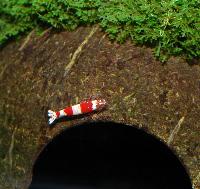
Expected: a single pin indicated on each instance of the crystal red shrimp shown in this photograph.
(82, 108)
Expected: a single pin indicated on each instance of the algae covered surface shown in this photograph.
(161, 99)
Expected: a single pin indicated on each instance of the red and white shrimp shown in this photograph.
(82, 108)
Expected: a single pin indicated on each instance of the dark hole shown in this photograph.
(108, 155)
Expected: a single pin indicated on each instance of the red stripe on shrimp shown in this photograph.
(57, 114)
(86, 106)
(68, 111)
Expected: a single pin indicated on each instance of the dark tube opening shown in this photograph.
(107, 155)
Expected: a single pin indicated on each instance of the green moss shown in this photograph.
(171, 27)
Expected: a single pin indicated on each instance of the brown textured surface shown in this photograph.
(139, 90)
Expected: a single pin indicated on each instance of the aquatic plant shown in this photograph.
(171, 27)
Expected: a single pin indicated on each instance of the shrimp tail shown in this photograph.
(52, 116)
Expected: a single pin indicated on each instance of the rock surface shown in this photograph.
(161, 99)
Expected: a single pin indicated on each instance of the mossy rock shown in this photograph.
(161, 99)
